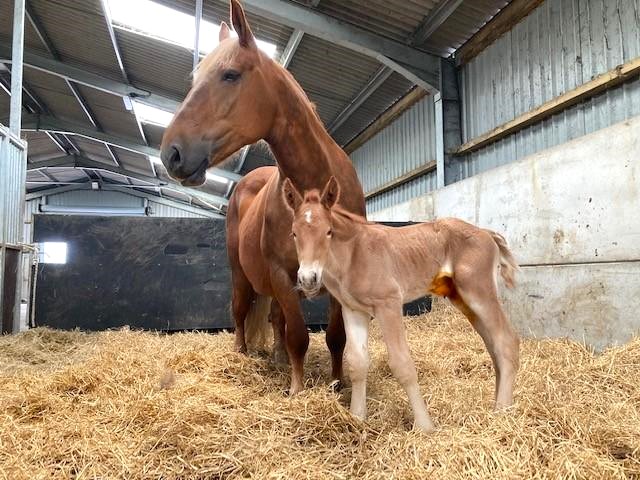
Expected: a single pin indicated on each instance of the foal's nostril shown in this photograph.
(314, 277)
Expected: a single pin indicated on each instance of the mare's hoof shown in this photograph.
(280, 357)
(335, 386)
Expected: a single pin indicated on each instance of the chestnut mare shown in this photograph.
(239, 96)
(373, 269)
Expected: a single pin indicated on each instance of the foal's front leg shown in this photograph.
(401, 363)
(356, 326)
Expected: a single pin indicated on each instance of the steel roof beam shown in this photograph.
(428, 26)
(433, 21)
(93, 80)
(51, 124)
(48, 44)
(77, 161)
(420, 67)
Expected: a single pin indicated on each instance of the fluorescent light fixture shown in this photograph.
(152, 19)
(152, 115)
(217, 178)
(210, 176)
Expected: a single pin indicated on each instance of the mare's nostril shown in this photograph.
(174, 157)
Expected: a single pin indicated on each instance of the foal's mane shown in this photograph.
(346, 215)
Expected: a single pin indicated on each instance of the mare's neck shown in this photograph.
(348, 234)
(305, 152)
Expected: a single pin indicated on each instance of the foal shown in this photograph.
(373, 269)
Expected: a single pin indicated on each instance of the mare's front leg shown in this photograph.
(277, 323)
(400, 361)
(356, 325)
(296, 335)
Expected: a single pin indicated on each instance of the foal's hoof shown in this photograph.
(425, 427)
(241, 349)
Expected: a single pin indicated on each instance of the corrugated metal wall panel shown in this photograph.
(13, 162)
(103, 198)
(92, 198)
(406, 144)
(162, 210)
(561, 45)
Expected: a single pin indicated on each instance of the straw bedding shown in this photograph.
(124, 404)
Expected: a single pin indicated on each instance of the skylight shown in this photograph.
(152, 115)
(149, 18)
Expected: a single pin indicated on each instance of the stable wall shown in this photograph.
(571, 216)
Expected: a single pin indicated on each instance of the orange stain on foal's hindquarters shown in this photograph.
(442, 285)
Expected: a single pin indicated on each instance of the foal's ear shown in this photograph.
(224, 32)
(331, 193)
(291, 195)
(241, 26)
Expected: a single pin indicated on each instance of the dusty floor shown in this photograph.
(133, 405)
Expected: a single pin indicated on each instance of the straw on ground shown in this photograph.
(134, 405)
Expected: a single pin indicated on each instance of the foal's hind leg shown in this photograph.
(478, 300)
(401, 363)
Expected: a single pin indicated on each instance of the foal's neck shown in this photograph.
(305, 152)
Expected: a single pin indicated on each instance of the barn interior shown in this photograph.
(522, 116)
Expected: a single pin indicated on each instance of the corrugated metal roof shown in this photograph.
(331, 75)
(396, 19)
(156, 65)
(386, 95)
(465, 21)
(79, 33)
(111, 114)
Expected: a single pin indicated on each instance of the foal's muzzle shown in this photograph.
(309, 281)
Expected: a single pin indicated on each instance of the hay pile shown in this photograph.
(134, 405)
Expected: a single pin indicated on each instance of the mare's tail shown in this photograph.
(257, 330)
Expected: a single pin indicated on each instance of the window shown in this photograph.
(52, 252)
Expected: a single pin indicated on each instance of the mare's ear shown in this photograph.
(292, 197)
(241, 26)
(224, 32)
(331, 193)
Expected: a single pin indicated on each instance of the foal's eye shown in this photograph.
(230, 76)
(293, 235)
(329, 233)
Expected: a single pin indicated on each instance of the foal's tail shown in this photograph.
(508, 264)
(256, 324)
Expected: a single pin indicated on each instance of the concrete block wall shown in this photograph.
(571, 215)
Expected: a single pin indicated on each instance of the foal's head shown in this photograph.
(311, 230)
(231, 104)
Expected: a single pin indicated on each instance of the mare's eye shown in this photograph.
(329, 233)
(230, 76)
(293, 234)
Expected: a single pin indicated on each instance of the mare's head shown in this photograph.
(231, 104)
(311, 230)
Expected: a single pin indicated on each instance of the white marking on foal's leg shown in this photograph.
(356, 326)
(307, 216)
(402, 366)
